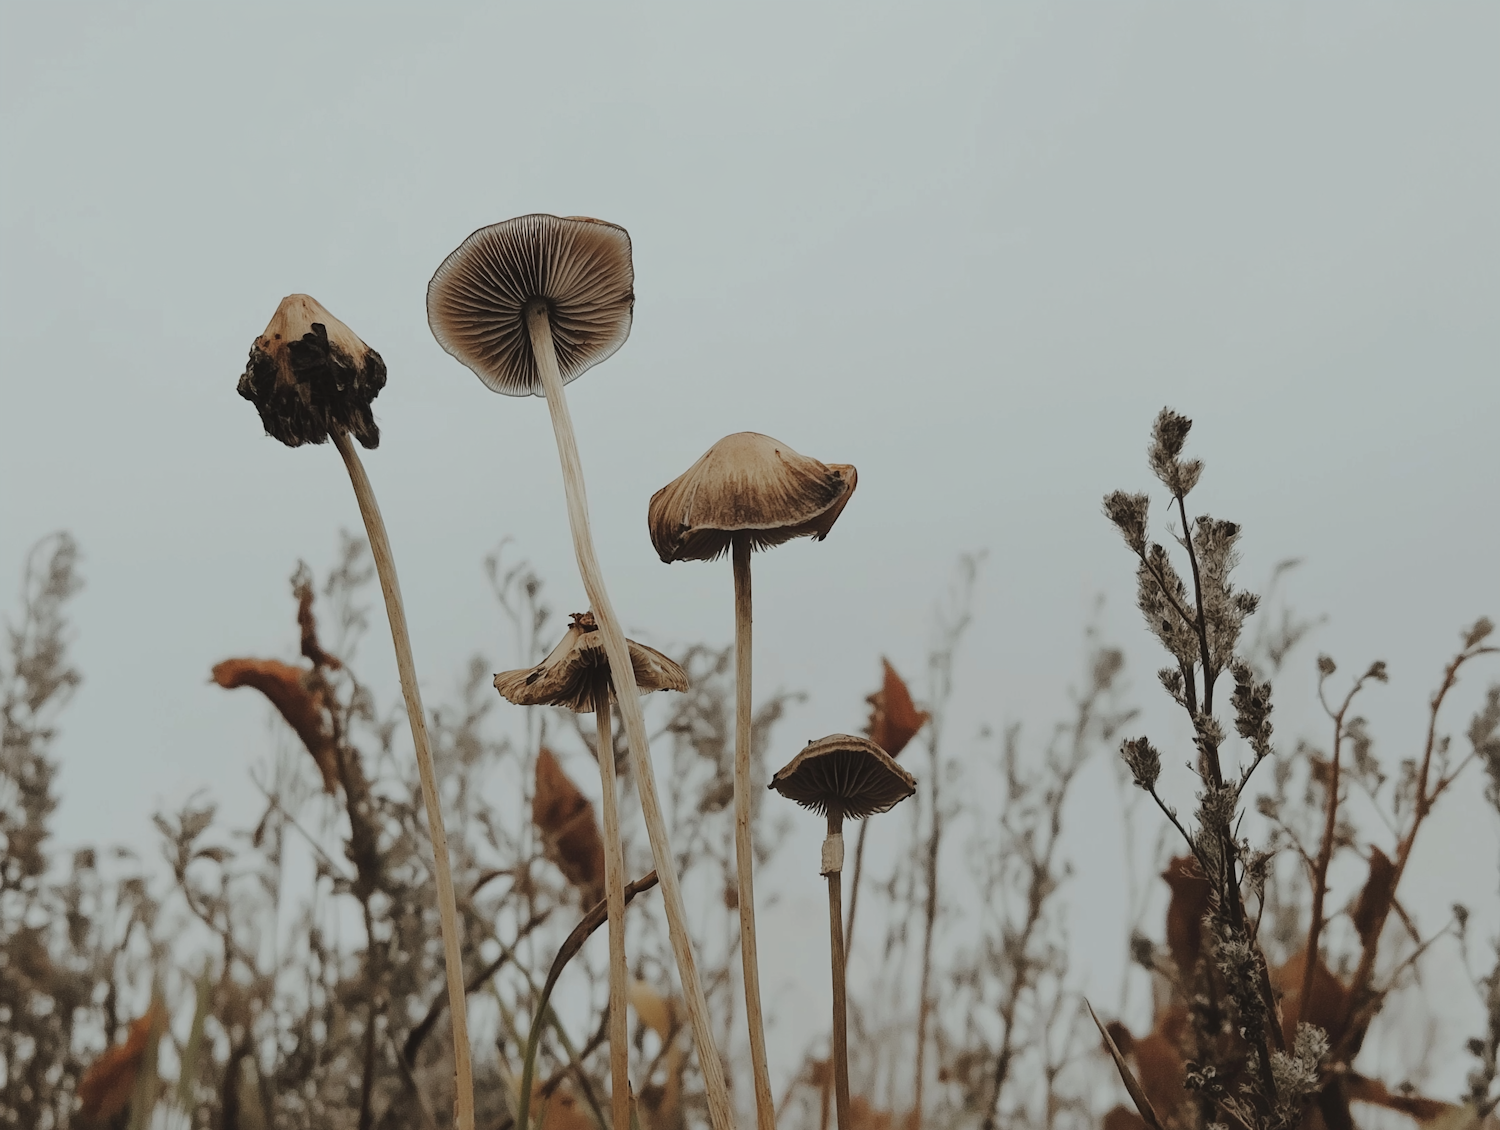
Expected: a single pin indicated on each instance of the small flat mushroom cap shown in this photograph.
(567, 676)
(749, 483)
(476, 301)
(309, 374)
(846, 772)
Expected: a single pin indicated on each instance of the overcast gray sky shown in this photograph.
(969, 248)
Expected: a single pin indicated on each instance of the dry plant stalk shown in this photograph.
(385, 565)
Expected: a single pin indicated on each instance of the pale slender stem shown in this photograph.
(720, 1112)
(385, 566)
(744, 850)
(614, 894)
(840, 1006)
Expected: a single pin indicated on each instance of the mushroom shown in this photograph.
(312, 379)
(748, 491)
(528, 304)
(842, 776)
(575, 676)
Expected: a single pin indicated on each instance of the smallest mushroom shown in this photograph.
(571, 675)
(842, 776)
(310, 375)
(576, 676)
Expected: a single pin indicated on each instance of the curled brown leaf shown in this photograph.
(106, 1087)
(299, 696)
(894, 718)
(570, 834)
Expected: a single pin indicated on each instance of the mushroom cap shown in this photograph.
(568, 675)
(747, 483)
(309, 374)
(581, 268)
(847, 773)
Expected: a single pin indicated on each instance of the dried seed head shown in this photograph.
(309, 374)
(1128, 512)
(1143, 761)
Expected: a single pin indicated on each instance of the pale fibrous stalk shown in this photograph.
(744, 851)
(614, 893)
(833, 864)
(385, 567)
(539, 328)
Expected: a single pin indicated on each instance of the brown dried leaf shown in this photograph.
(1375, 899)
(106, 1087)
(570, 835)
(894, 718)
(1328, 1004)
(1190, 895)
(864, 1116)
(298, 695)
(1119, 1118)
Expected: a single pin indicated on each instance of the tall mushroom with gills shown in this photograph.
(576, 676)
(747, 492)
(842, 776)
(528, 304)
(311, 379)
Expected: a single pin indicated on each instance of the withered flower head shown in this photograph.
(748, 483)
(579, 269)
(847, 774)
(310, 374)
(569, 675)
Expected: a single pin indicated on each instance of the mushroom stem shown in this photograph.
(539, 327)
(614, 894)
(385, 566)
(744, 851)
(833, 863)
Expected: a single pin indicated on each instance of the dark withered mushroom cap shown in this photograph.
(747, 483)
(567, 677)
(309, 374)
(581, 269)
(850, 774)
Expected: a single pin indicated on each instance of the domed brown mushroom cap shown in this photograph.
(581, 269)
(850, 774)
(749, 483)
(309, 373)
(567, 677)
